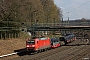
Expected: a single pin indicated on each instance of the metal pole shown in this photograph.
(68, 18)
(62, 21)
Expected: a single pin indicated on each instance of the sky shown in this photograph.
(74, 9)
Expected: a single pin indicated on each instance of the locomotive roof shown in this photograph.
(42, 38)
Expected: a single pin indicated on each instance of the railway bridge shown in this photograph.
(55, 27)
(61, 28)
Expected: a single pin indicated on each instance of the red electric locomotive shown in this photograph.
(38, 44)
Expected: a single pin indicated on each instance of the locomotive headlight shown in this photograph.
(33, 45)
(27, 45)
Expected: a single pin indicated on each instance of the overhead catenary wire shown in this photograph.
(77, 7)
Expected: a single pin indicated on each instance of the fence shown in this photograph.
(9, 34)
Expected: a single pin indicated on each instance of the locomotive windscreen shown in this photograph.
(31, 42)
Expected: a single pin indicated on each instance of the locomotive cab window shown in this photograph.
(31, 42)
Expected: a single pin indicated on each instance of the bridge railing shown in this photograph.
(54, 24)
(50, 24)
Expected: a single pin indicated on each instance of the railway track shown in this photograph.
(71, 51)
(75, 54)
